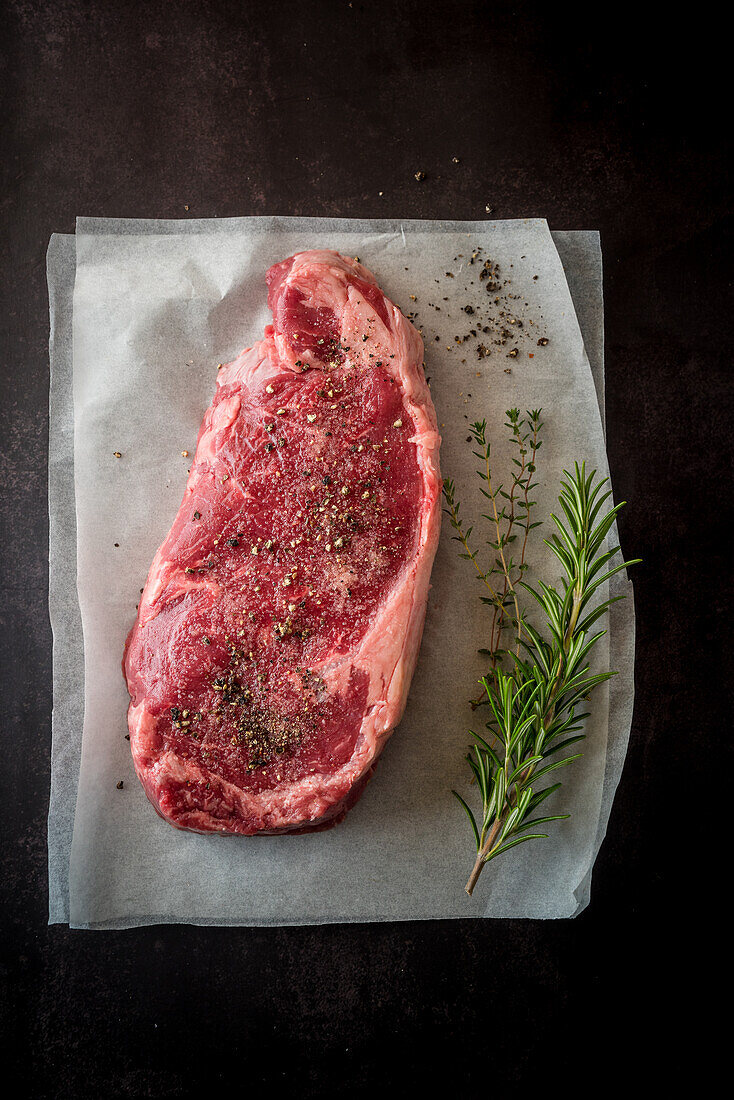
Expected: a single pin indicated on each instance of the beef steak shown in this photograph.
(280, 622)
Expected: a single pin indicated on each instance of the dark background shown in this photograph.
(610, 119)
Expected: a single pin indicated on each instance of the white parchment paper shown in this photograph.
(156, 305)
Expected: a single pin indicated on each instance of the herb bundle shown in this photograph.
(538, 683)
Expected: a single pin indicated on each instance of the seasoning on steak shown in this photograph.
(280, 623)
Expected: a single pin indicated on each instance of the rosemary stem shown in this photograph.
(474, 876)
(573, 617)
(482, 857)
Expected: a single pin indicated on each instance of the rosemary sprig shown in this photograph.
(536, 703)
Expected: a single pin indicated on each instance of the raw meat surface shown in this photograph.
(280, 623)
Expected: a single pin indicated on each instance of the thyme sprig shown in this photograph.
(537, 700)
(510, 520)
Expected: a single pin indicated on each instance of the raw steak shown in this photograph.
(280, 623)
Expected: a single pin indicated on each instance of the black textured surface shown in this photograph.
(230, 108)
